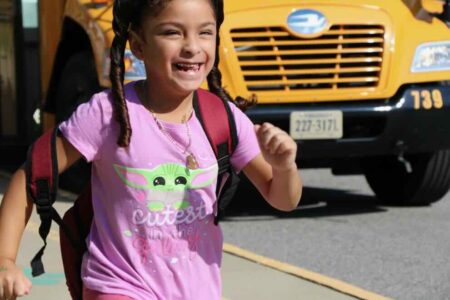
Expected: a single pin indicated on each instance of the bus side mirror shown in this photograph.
(438, 8)
(446, 13)
(434, 7)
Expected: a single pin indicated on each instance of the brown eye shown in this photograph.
(171, 32)
(180, 180)
(159, 181)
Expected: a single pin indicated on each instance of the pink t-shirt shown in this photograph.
(153, 235)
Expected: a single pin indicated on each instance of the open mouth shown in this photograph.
(184, 67)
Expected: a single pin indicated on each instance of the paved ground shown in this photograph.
(342, 231)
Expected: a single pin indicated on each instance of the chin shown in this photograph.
(189, 87)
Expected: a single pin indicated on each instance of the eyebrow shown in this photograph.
(181, 25)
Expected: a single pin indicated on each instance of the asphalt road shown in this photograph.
(341, 231)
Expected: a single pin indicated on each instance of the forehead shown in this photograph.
(184, 12)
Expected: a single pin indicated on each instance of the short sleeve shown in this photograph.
(87, 128)
(248, 147)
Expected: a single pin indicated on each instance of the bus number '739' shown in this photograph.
(425, 99)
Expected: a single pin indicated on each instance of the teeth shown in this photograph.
(188, 67)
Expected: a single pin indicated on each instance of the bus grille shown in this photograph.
(344, 57)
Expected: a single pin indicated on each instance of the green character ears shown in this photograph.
(167, 177)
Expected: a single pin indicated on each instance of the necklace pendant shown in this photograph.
(192, 163)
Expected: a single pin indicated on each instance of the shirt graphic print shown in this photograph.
(165, 200)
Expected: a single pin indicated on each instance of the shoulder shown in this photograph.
(236, 111)
(103, 101)
(100, 103)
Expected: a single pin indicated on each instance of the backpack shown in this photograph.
(42, 181)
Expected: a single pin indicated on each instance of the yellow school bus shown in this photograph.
(363, 86)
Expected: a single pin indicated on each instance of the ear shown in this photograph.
(201, 178)
(136, 44)
(135, 178)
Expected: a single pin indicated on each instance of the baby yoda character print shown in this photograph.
(167, 184)
(167, 202)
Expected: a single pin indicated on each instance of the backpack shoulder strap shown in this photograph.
(217, 120)
(42, 170)
(42, 185)
(219, 124)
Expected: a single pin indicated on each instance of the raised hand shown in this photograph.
(277, 147)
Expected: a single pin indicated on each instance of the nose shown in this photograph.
(191, 46)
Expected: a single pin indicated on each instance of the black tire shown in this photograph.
(428, 182)
(78, 83)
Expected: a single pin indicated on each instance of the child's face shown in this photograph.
(178, 45)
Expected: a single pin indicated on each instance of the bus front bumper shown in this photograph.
(415, 120)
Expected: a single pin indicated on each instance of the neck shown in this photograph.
(168, 106)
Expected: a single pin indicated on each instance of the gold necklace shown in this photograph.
(191, 161)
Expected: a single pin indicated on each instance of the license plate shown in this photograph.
(316, 125)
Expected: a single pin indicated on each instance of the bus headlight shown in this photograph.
(134, 68)
(432, 57)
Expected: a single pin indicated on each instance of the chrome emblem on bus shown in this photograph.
(307, 21)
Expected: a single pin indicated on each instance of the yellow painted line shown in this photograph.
(314, 277)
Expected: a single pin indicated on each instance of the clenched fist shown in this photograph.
(13, 283)
(277, 147)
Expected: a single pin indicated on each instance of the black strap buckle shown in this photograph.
(43, 199)
(224, 164)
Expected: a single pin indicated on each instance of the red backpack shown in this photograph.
(42, 181)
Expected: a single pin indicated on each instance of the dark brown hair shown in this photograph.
(129, 14)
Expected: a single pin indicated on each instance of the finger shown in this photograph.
(265, 138)
(275, 142)
(266, 126)
(20, 288)
(286, 147)
(262, 129)
(28, 285)
(8, 288)
(257, 128)
(282, 148)
(266, 135)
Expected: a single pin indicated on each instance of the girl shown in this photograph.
(153, 235)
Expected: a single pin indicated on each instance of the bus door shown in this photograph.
(19, 79)
(8, 75)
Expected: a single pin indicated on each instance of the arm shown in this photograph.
(274, 172)
(16, 209)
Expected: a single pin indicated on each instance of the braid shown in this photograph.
(120, 107)
(120, 24)
(215, 76)
(215, 86)
(126, 14)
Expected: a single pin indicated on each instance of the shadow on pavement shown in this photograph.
(315, 202)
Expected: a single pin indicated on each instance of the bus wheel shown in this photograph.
(77, 84)
(428, 181)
